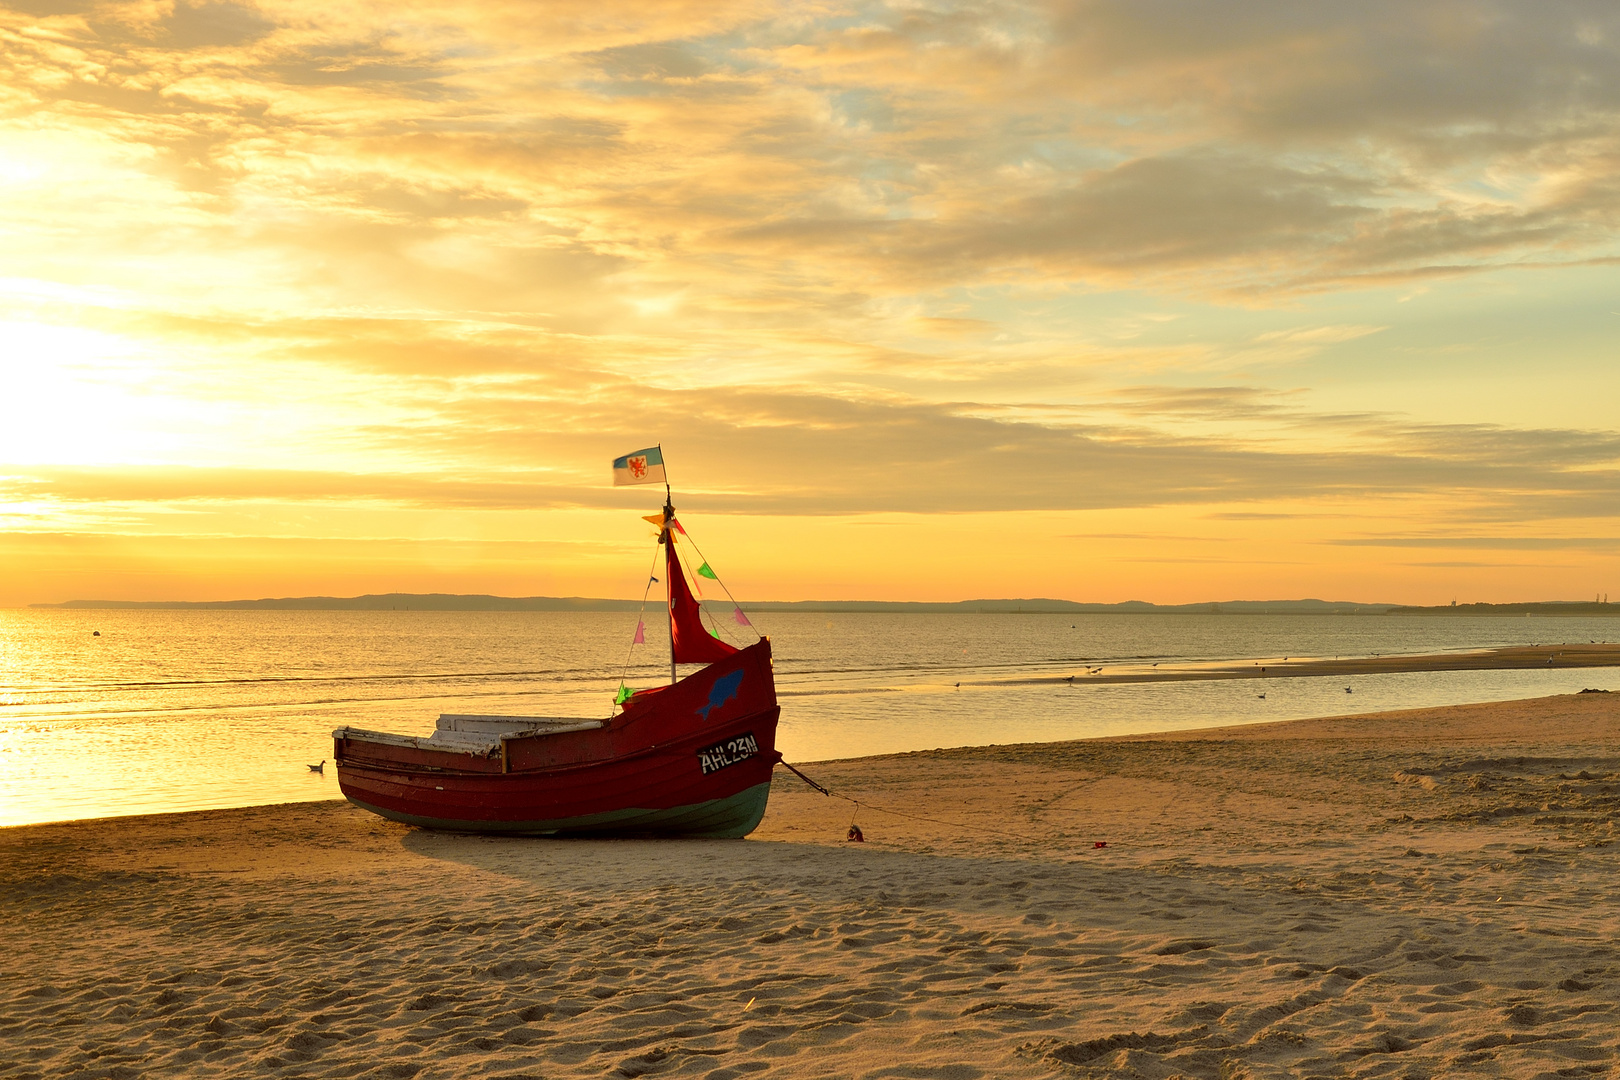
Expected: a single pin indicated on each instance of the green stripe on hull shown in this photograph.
(734, 816)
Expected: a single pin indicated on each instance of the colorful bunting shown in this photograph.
(704, 571)
(623, 695)
(742, 620)
(641, 633)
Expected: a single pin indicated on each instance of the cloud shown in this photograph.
(212, 25)
(761, 150)
(1005, 257)
(799, 453)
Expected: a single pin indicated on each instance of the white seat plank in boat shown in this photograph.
(477, 735)
(508, 725)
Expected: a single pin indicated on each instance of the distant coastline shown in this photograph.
(1585, 608)
(1035, 606)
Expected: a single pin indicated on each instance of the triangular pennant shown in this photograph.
(623, 695)
(704, 571)
(742, 620)
(641, 633)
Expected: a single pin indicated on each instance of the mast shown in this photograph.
(669, 584)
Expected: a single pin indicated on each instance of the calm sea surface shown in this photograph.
(181, 710)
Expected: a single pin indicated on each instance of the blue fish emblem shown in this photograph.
(724, 689)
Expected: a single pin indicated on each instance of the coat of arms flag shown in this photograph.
(642, 467)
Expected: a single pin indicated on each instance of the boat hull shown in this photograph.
(732, 817)
(693, 759)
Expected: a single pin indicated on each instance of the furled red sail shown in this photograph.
(693, 644)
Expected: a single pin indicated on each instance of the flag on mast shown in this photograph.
(641, 467)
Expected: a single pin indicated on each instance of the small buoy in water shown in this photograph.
(321, 768)
(1100, 843)
(855, 835)
(95, 633)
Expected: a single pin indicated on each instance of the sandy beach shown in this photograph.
(1428, 893)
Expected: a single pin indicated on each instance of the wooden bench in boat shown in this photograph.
(479, 736)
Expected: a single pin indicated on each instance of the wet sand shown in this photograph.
(1513, 657)
(1429, 893)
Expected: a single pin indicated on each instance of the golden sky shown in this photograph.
(1170, 300)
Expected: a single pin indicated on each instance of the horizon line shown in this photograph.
(488, 601)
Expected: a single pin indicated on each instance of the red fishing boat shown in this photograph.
(693, 758)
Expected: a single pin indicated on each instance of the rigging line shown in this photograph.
(703, 561)
(697, 584)
(641, 620)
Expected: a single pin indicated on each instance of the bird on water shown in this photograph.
(321, 768)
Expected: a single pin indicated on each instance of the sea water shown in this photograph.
(105, 713)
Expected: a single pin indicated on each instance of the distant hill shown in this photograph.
(1073, 607)
(464, 602)
(1033, 606)
(1563, 608)
(372, 602)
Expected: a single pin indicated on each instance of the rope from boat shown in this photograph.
(805, 778)
(900, 813)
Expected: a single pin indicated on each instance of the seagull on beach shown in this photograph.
(321, 768)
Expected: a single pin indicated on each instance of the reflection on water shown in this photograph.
(174, 710)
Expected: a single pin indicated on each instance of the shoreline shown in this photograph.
(1502, 659)
(1425, 892)
(1508, 658)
